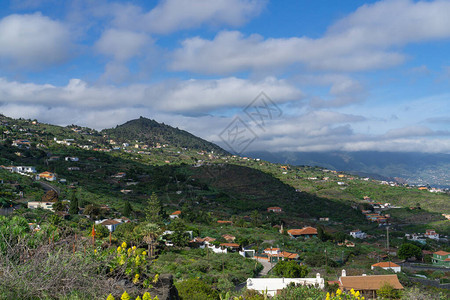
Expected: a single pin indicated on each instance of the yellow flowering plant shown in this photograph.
(340, 295)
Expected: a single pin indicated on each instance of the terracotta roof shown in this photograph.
(274, 207)
(110, 222)
(229, 237)
(271, 249)
(289, 255)
(373, 282)
(443, 253)
(201, 240)
(386, 264)
(231, 245)
(303, 231)
(447, 259)
(176, 213)
(46, 173)
(224, 222)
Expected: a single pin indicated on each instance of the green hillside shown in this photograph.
(153, 133)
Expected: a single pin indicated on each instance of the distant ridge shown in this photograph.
(152, 132)
(415, 167)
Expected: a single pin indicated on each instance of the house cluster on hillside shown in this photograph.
(376, 217)
(23, 170)
(422, 237)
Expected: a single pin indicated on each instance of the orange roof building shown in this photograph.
(175, 214)
(229, 237)
(368, 285)
(48, 176)
(224, 222)
(230, 245)
(387, 265)
(305, 232)
(274, 209)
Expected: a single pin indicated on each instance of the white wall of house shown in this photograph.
(272, 285)
(395, 269)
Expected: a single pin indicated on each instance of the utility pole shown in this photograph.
(387, 244)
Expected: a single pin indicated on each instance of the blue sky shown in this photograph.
(347, 75)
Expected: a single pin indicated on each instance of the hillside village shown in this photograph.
(186, 211)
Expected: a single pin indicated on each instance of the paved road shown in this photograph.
(267, 266)
(416, 266)
(48, 187)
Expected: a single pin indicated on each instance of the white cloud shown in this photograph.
(190, 96)
(172, 15)
(122, 44)
(33, 41)
(365, 40)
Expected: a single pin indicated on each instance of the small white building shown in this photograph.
(175, 214)
(358, 234)
(71, 158)
(386, 265)
(111, 224)
(23, 169)
(431, 234)
(40, 204)
(272, 251)
(272, 285)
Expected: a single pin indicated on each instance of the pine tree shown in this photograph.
(73, 208)
(154, 211)
(127, 209)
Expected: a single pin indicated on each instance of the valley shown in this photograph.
(184, 209)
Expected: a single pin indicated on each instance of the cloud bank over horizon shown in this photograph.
(359, 76)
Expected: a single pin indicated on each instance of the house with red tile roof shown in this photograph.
(441, 258)
(47, 176)
(306, 232)
(175, 214)
(229, 237)
(366, 285)
(111, 224)
(203, 242)
(274, 209)
(387, 265)
(231, 246)
(431, 234)
(224, 222)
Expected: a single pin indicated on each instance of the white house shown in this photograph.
(175, 214)
(70, 158)
(272, 285)
(431, 234)
(23, 169)
(111, 224)
(387, 265)
(358, 234)
(272, 251)
(40, 204)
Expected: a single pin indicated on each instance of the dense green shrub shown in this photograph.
(195, 289)
(290, 269)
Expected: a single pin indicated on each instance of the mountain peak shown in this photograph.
(152, 132)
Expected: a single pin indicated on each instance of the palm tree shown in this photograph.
(149, 232)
